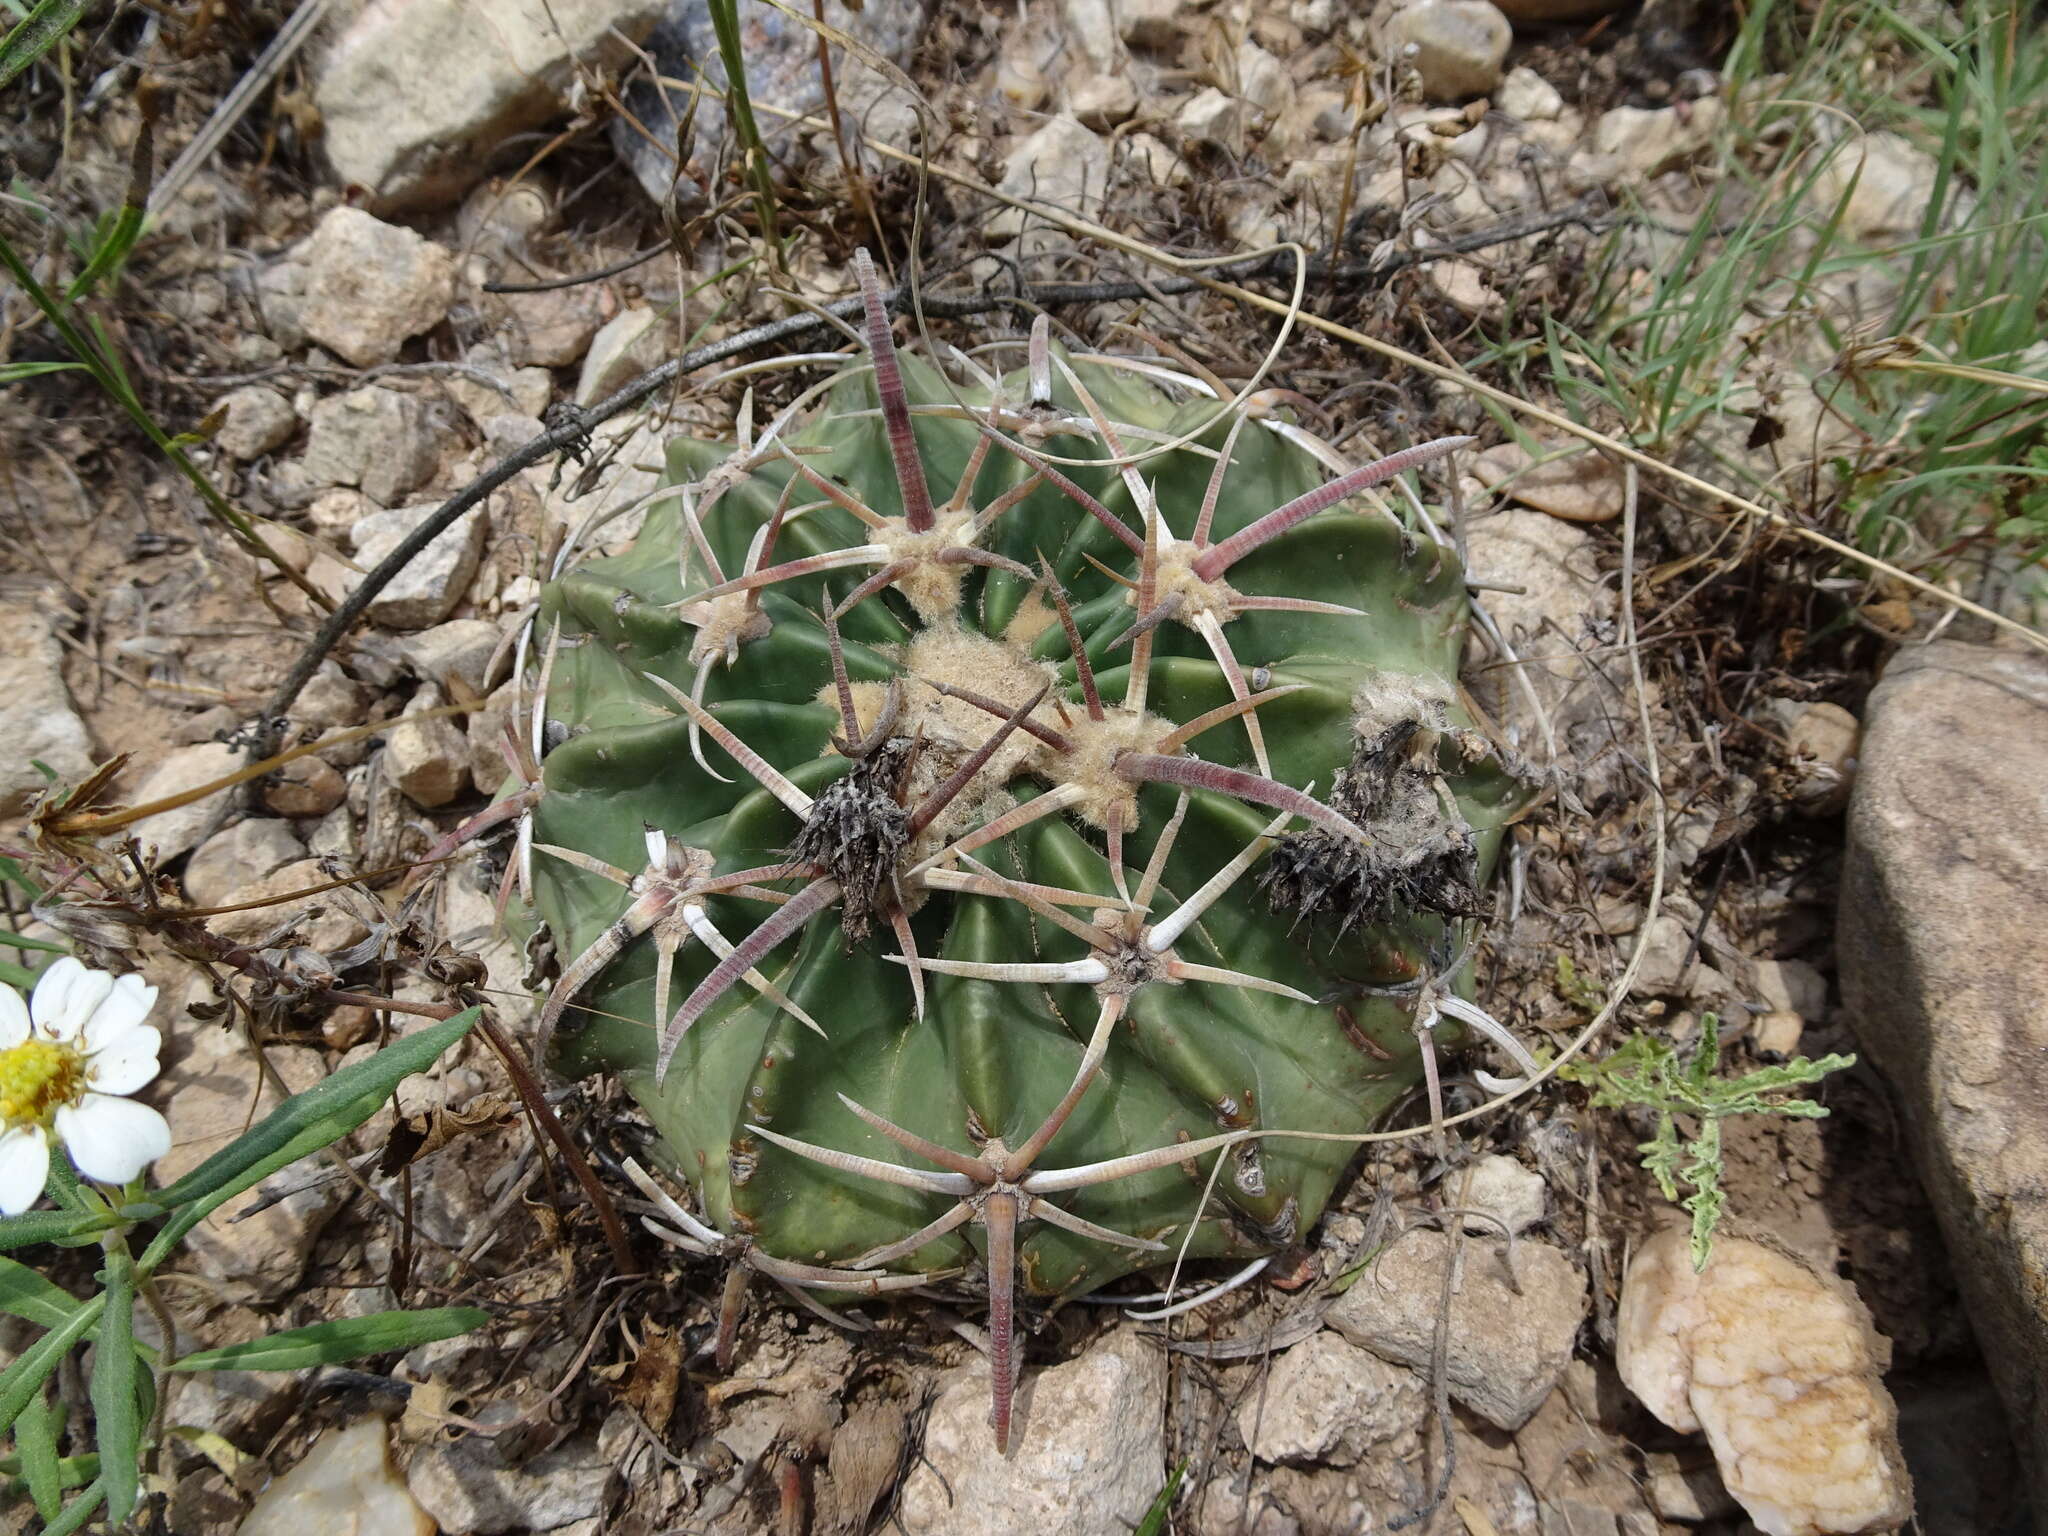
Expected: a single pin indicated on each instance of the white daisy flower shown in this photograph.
(66, 1059)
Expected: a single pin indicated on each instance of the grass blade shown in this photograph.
(42, 30)
(349, 1338)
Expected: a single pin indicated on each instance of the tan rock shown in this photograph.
(1943, 976)
(306, 786)
(1570, 481)
(36, 716)
(427, 757)
(370, 285)
(344, 1483)
(1781, 1368)
(1456, 46)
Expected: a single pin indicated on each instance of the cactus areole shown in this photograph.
(953, 846)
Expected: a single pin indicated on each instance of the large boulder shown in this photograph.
(1944, 899)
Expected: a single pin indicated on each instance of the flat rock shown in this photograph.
(1087, 1453)
(1457, 46)
(177, 831)
(1648, 141)
(1780, 1366)
(1062, 164)
(469, 1487)
(1515, 1198)
(1944, 897)
(230, 859)
(546, 330)
(1155, 24)
(1562, 479)
(210, 1097)
(371, 285)
(344, 1484)
(427, 590)
(458, 650)
(1331, 1402)
(1506, 1349)
(382, 440)
(37, 720)
(630, 343)
(258, 420)
(416, 94)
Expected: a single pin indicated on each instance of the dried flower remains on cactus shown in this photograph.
(934, 846)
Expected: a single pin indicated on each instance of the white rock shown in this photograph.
(631, 471)
(344, 1486)
(1563, 609)
(1893, 184)
(1088, 1448)
(550, 329)
(383, 440)
(630, 343)
(1457, 46)
(177, 831)
(1651, 141)
(1212, 117)
(257, 421)
(1019, 80)
(1791, 986)
(428, 589)
(468, 1487)
(1462, 285)
(36, 718)
(1526, 95)
(1063, 165)
(527, 391)
(1506, 1349)
(1329, 1401)
(1263, 81)
(415, 94)
(459, 649)
(1103, 101)
(210, 1097)
(1157, 161)
(1782, 1369)
(326, 922)
(1514, 1196)
(229, 860)
(1092, 33)
(1777, 1033)
(370, 285)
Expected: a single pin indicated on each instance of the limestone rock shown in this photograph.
(228, 860)
(1329, 1401)
(459, 649)
(1893, 182)
(1088, 1448)
(414, 96)
(1564, 609)
(634, 453)
(1506, 1350)
(1263, 81)
(370, 285)
(428, 759)
(324, 922)
(344, 1483)
(36, 718)
(547, 330)
(1212, 117)
(1154, 24)
(525, 390)
(1063, 165)
(383, 440)
(1943, 976)
(468, 1486)
(1575, 484)
(629, 344)
(428, 589)
(210, 1097)
(1514, 1197)
(1092, 34)
(1457, 46)
(1102, 101)
(1526, 95)
(1543, 12)
(1782, 1369)
(177, 831)
(306, 786)
(1823, 739)
(1648, 141)
(258, 420)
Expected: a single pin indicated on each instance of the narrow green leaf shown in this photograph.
(11, 373)
(39, 1227)
(112, 252)
(347, 1339)
(1162, 1506)
(37, 35)
(79, 1510)
(16, 975)
(27, 1294)
(117, 1423)
(35, 1437)
(301, 1125)
(22, 940)
(32, 1368)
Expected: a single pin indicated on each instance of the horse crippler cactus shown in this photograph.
(953, 881)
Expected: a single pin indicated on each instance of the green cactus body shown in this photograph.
(1197, 1045)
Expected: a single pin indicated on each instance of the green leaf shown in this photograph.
(16, 975)
(11, 373)
(347, 1339)
(32, 1367)
(41, 1227)
(36, 36)
(22, 940)
(117, 1422)
(27, 1294)
(303, 1124)
(79, 1510)
(1160, 1507)
(35, 1436)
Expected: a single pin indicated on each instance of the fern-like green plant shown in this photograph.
(1650, 1072)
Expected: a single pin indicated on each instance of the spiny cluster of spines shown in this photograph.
(857, 848)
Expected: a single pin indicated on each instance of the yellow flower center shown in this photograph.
(37, 1076)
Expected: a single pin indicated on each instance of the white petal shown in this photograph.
(24, 1169)
(120, 1012)
(66, 995)
(128, 1063)
(13, 1018)
(110, 1139)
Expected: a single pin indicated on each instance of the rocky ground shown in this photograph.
(358, 293)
